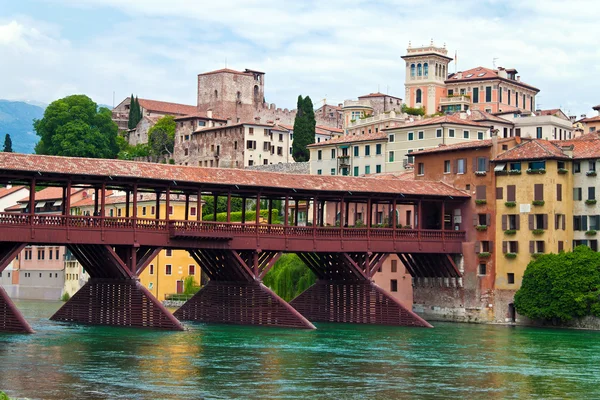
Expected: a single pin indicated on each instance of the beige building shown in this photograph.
(427, 133)
(544, 124)
(376, 123)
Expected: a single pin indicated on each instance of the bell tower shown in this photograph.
(426, 71)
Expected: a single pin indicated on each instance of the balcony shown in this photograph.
(461, 99)
(344, 161)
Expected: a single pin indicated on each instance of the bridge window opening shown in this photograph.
(510, 278)
(168, 269)
(393, 285)
(482, 269)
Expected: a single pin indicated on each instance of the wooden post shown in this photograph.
(314, 216)
(103, 200)
(257, 210)
(229, 207)
(347, 214)
(187, 206)
(243, 210)
(64, 201)
(286, 207)
(96, 195)
(296, 212)
(322, 213)
(67, 203)
(269, 219)
(167, 202)
(127, 201)
(443, 212)
(343, 217)
(157, 205)
(215, 204)
(199, 206)
(135, 200)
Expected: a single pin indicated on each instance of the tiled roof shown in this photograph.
(584, 147)
(591, 119)
(473, 144)
(223, 177)
(505, 109)
(5, 192)
(378, 94)
(330, 129)
(408, 175)
(167, 108)
(444, 119)
(478, 115)
(482, 73)
(198, 115)
(366, 137)
(537, 149)
(50, 193)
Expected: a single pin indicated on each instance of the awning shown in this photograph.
(499, 167)
(58, 202)
(23, 205)
(344, 146)
(40, 204)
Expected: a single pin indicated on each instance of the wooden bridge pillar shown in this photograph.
(235, 293)
(113, 295)
(344, 292)
(11, 319)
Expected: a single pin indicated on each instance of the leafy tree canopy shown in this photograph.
(559, 287)
(304, 129)
(161, 137)
(413, 110)
(289, 277)
(7, 144)
(75, 127)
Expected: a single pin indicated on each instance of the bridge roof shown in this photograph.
(118, 171)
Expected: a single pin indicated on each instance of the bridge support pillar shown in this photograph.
(116, 302)
(344, 292)
(11, 319)
(235, 293)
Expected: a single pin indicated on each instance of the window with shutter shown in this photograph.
(480, 192)
(504, 222)
(558, 192)
(531, 246)
(511, 193)
(504, 247)
(499, 193)
(560, 246)
(545, 221)
(538, 191)
(531, 222)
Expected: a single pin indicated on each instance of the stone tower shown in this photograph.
(232, 94)
(426, 71)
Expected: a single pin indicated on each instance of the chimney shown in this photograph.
(340, 105)
(583, 116)
(459, 74)
(494, 146)
(518, 78)
(463, 115)
(568, 150)
(538, 112)
(228, 121)
(209, 113)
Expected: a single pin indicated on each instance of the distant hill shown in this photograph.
(16, 119)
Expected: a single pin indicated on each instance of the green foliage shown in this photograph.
(510, 255)
(480, 202)
(304, 129)
(563, 171)
(135, 113)
(65, 297)
(510, 232)
(250, 216)
(7, 144)
(481, 228)
(208, 207)
(3, 396)
(537, 231)
(161, 137)
(75, 127)
(538, 202)
(289, 277)
(510, 204)
(189, 286)
(484, 254)
(413, 111)
(560, 287)
(591, 232)
(590, 202)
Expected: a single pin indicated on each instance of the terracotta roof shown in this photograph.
(473, 144)
(482, 73)
(223, 177)
(478, 115)
(591, 119)
(330, 129)
(378, 94)
(408, 175)
(5, 192)
(537, 149)
(50, 193)
(199, 115)
(229, 71)
(167, 108)
(444, 119)
(584, 147)
(367, 137)
(508, 110)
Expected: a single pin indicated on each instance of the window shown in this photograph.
(378, 169)
(592, 165)
(577, 194)
(535, 165)
(481, 164)
(378, 149)
(250, 163)
(480, 135)
(509, 97)
(168, 269)
(251, 131)
(251, 144)
(151, 272)
(355, 171)
(450, 132)
(482, 269)
(393, 285)
(537, 246)
(367, 150)
(191, 269)
(538, 192)
(391, 138)
(512, 222)
(480, 192)
(411, 135)
(466, 134)
(319, 155)
(591, 193)
(558, 192)
(538, 221)
(367, 169)
(488, 94)
(438, 133)
(193, 211)
(394, 265)
(391, 156)
(418, 95)
(421, 135)
(475, 96)
(412, 70)
(318, 172)
(538, 132)
(356, 151)
(511, 193)
(168, 252)
(510, 278)
(332, 154)
(594, 222)
(576, 167)
(446, 166)
(332, 171)
(461, 165)
(410, 158)
(421, 169)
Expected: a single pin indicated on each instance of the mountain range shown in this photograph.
(16, 119)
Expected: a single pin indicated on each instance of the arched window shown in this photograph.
(412, 70)
(419, 70)
(239, 95)
(444, 71)
(437, 70)
(418, 96)
(255, 90)
(216, 94)
(426, 69)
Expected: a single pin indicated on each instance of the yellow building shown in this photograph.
(166, 273)
(534, 213)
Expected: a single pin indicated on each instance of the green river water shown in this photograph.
(336, 361)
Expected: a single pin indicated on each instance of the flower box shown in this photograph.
(481, 228)
(590, 202)
(537, 231)
(480, 202)
(484, 254)
(510, 232)
(563, 171)
(510, 255)
(538, 202)
(514, 172)
(510, 204)
(503, 172)
(590, 173)
(591, 232)
(480, 173)
(536, 171)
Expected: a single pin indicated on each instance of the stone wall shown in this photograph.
(287, 168)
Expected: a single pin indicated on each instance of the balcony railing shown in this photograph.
(455, 99)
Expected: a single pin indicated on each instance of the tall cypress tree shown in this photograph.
(138, 112)
(131, 113)
(7, 144)
(304, 129)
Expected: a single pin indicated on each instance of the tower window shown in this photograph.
(418, 94)
(426, 69)
(412, 70)
(216, 94)
(419, 70)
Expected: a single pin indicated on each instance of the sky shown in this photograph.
(333, 50)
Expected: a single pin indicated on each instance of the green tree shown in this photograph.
(289, 277)
(7, 144)
(3, 396)
(189, 285)
(559, 287)
(161, 137)
(412, 110)
(74, 126)
(304, 129)
(208, 206)
(131, 117)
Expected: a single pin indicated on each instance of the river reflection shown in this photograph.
(63, 361)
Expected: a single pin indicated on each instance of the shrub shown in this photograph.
(481, 228)
(510, 255)
(189, 286)
(537, 231)
(65, 297)
(484, 254)
(514, 172)
(559, 287)
(3, 396)
(563, 171)
(510, 204)
(590, 202)
(510, 232)
(538, 202)
(480, 202)
(289, 277)
(591, 232)
(236, 216)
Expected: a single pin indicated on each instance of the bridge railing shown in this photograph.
(225, 229)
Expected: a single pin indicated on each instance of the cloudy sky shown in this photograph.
(327, 49)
